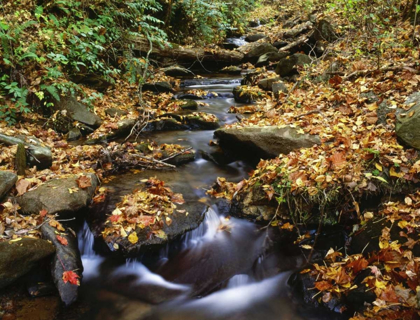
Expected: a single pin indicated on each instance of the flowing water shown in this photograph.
(220, 270)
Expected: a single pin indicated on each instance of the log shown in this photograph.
(180, 54)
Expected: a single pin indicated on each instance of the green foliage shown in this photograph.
(43, 47)
(206, 21)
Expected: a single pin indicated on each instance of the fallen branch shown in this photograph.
(155, 161)
(296, 43)
(176, 154)
(360, 73)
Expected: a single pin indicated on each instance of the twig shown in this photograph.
(156, 161)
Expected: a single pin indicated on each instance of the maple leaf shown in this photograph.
(338, 160)
(43, 212)
(84, 182)
(71, 277)
(62, 240)
(114, 218)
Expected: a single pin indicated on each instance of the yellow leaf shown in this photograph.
(394, 173)
(378, 166)
(123, 233)
(408, 201)
(402, 224)
(133, 237)
(306, 246)
(380, 284)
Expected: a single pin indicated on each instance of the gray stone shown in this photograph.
(267, 83)
(78, 111)
(176, 71)
(74, 134)
(287, 66)
(408, 122)
(255, 37)
(112, 112)
(67, 256)
(256, 50)
(158, 87)
(56, 197)
(383, 110)
(19, 257)
(265, 59)
(254, 143)
(7, 181)
(280, 44)
(324, 31)
(278, 87)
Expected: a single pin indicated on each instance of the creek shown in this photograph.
(227, 268)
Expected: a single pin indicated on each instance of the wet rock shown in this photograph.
(242, 94)
(66, 258)
(74, 134)
(180, 159)
(37, 153)
(255, 37)
(407, 126)
(77, 111)
(287, 66)
(19, 257)
(177, 71)
(218, 157)
(254, 205)
(7, 181)
(189, 96)
(265, 59)
(158, 87)
(324, 31)
(57, 198)
(113, 112)
(262, 142)
(188, 104)
(181, 221)
(231, 70)
(173, 122)
(280, 44)
(256, 50)
(267, 83)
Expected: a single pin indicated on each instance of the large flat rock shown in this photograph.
(255, 143)
(61, 196)
(7, 181)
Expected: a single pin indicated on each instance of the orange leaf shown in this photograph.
(84, 182)
(323, 285)
(43, 212)
(62, 240)
(338, 160)
(72, 277)
(114, 218)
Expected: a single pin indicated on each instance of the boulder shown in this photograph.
(287, 66)
(280, 44)
(66, 258)
(112, 112)
(267, 83)
(254, 143)
(158, 87)
(324, 31)
(38, 155)
(77, 111)
(19, 257)
(408, 122)
(188, 104)
(265, 59)
(256, 50)
(242, 94)
(58, 196)
(174, 122)
(7, 181)
(177, 71)
(278, 87)
(124, 128)
(74, 134)
(255, 37)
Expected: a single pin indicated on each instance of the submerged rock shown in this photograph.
(189, 104)
(19, 257)
(66, 258)
(254, 143)
(7, 181)
(58, 196)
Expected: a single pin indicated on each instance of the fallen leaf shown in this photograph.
(71, 277)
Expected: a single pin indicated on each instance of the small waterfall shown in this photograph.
(85, 241)
(206, 231)
(239, 280)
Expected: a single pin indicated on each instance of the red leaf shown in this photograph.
(72, 277)
(114, 218)
(43, 213)
(62, 240)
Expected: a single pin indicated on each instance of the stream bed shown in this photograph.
(227, 268)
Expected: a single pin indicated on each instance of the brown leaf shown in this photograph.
(84, 182)
(22, 185)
